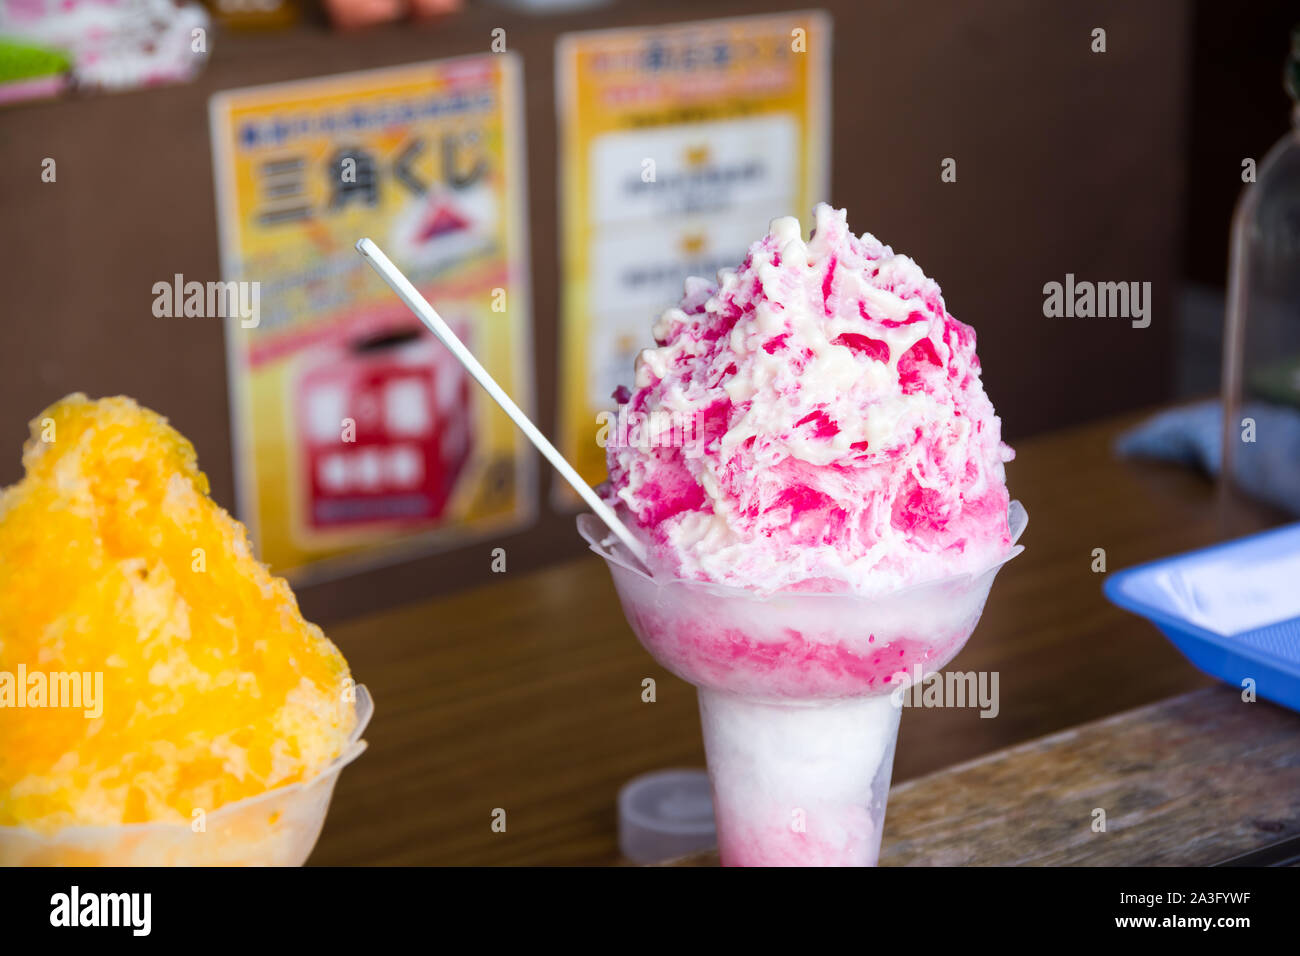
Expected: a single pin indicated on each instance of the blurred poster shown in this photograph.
(358, 437)
(678, 145)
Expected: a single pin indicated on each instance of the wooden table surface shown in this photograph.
(526, 696)
(1193, 780)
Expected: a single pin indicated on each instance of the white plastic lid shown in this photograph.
(665, 815)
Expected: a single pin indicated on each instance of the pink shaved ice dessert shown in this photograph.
(822, 527)
(838, 437)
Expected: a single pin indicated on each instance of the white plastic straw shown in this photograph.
(426, 314)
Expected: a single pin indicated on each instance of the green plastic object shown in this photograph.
(23, 61)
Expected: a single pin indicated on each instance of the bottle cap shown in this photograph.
(665, 815)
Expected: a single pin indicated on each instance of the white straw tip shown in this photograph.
(364, 245)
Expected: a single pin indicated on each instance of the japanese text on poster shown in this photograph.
(679, 144)
(358, 437)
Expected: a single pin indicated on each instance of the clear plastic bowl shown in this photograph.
(276, 828)
(797, 646)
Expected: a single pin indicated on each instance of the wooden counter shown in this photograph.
(1189, 781)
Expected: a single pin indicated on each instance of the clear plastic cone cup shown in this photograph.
(797, 695)
(799, 784)
(276, 828)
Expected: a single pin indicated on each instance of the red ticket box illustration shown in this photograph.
(384, 426)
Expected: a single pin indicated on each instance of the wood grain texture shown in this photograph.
(526, 695)
(1189, 781)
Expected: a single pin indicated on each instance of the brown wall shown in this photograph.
(1068, 161)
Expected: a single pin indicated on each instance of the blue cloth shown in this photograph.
(1267, 468)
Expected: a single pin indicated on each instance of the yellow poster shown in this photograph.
(678, 145)
(358, 438)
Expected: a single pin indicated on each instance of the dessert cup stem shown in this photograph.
(799, 784)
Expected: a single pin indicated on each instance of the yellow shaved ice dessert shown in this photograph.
(114, 561)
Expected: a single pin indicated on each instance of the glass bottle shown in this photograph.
(1261, 360)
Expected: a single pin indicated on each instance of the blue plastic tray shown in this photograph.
(1266, 651)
